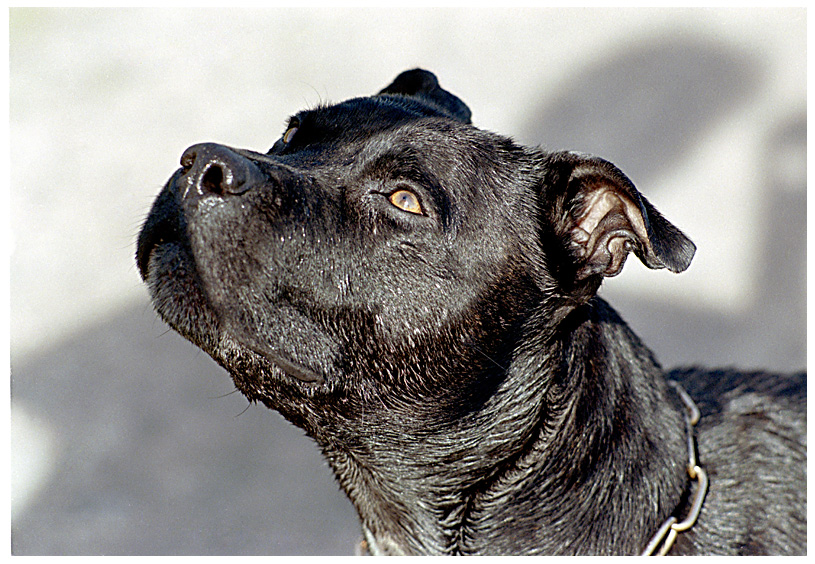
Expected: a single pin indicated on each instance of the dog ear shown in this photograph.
(422, 84)
(594, 216)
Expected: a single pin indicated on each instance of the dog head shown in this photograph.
(387, 252)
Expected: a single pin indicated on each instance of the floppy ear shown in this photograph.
(593, 216)
(422, 84)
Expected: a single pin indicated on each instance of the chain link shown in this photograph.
(667, 533)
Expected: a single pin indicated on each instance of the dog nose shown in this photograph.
(214, 169)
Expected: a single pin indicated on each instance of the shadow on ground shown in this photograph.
(151, 457)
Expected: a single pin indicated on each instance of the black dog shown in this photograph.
(419, 296)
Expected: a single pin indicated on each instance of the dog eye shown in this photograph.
(406, 201)
(287, 137)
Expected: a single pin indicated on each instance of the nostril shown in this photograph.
(213, 180)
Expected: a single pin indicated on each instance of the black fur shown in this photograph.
(450, 356)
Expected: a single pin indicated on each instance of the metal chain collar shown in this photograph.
(667, 533)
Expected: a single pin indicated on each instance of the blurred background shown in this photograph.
(128, 440)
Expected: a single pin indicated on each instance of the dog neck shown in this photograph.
(582, 428)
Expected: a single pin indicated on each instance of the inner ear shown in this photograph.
(593, 217)
(606, 226)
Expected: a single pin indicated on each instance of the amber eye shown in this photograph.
(287, 137)
(406, 201)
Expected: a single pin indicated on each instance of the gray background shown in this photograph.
(127, 440)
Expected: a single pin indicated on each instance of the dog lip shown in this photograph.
(164, 224)
(143, 254)
(153, 236)
(290, 367)
(148, 243)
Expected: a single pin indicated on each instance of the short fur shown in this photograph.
(419, 296)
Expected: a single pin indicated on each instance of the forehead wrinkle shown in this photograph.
(423, 144)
